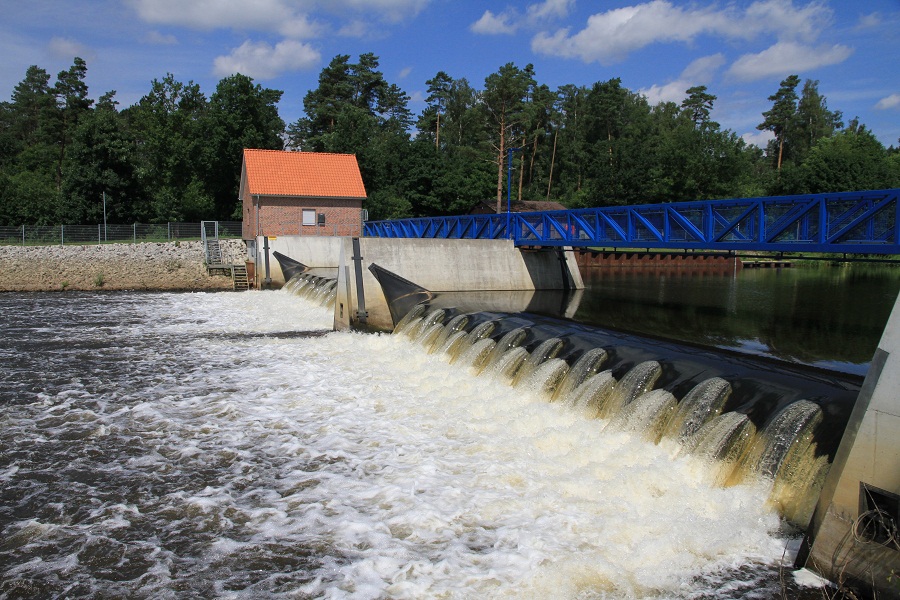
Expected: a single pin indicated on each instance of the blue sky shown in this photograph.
(740, 50)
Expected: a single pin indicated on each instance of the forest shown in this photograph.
(175, 155)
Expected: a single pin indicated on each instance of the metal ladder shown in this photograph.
(239, 278)
(209, 235)
(213, 253)
(216, 261)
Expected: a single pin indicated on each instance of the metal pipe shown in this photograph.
(361, 314)
(267, 280)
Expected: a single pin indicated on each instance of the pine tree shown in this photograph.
(780, 119)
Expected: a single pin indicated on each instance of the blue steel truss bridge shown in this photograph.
(866, 222)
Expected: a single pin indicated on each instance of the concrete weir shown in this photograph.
(853, 537)
(441, 266)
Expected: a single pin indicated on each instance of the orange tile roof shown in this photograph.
(308, 174)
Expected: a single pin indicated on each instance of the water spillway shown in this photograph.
(746, 418)
(231, 445)
(317, 289)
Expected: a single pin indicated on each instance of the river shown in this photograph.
(818, 314)
(227, 445)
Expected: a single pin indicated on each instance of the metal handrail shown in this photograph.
(866, 222)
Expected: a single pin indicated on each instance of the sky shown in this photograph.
(740, 50)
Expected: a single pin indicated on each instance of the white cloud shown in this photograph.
(758, 138)
(670, 92)
(159, 39)
(404, 72)
(786, 21)
(491, 24)
(610, 36)
(703, 69)
(290, 18)
(787, 57)
(262, 61)
(67, 49)
(892, 101)
(510, 20)
(213, 14)
(699, 72)
(354, 29)
(549, 9)
(390, 10)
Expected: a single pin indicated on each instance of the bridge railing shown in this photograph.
(865, 222)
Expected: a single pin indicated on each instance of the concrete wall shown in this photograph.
(444, 266)
(321, 254)
(467, 265)
(437, 265)
(866, 470)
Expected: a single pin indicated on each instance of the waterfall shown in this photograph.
(701, 404)
(546, 350)
(316, 289)
(648, 414)
(587, 365)
(563, 368)
(455, 324)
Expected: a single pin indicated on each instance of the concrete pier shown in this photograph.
(852, 539)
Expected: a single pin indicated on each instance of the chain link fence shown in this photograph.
(33, 235)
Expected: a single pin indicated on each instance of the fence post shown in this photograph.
(99, 235)
(134, 230)
(23, 235)
(169, 228)
(62, 235)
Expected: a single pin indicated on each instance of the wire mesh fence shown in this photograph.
(34, 235)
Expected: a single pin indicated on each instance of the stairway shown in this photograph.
(239, 278)
(213, 253)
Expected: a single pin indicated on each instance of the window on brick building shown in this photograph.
(309, 216)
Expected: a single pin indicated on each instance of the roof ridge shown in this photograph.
(299, 152)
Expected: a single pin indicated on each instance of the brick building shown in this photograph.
(300, 193)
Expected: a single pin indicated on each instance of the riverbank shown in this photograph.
(175, 265)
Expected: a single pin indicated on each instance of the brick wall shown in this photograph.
(284, 216)
(588, 258)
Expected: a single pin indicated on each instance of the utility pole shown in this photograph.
(509, 191)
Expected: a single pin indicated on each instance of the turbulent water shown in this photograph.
(228, 445)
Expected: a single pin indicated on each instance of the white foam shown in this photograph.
(808, 579)
(404, 476)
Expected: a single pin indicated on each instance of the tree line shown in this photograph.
(175, 155)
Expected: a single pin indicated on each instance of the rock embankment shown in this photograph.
(145, 266)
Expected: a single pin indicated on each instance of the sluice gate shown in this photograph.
(746, 418)
(825, 443)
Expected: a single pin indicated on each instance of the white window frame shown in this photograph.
(309, 216)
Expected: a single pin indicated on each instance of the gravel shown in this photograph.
(146, 266)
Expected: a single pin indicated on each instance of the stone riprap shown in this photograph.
(144, 266)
